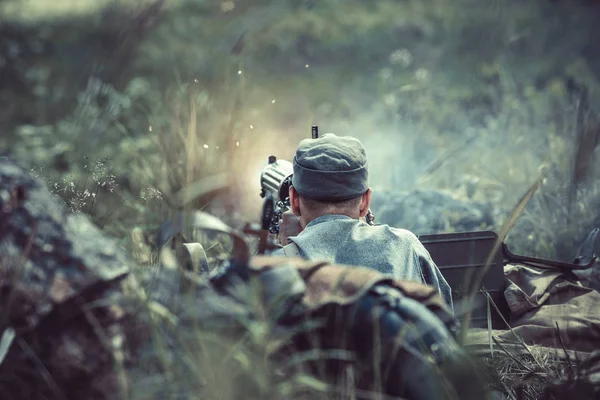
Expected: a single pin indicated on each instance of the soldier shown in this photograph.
(328, 197)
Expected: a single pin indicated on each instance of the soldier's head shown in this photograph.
(330, 177)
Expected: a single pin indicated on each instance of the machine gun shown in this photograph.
(275, 182)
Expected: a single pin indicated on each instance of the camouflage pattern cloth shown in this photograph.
(402, 328)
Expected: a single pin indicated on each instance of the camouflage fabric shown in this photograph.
(549, 309)
(342, 284)
(380, 324)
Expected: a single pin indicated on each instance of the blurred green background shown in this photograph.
(119, 105)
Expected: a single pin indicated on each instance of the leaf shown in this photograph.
(311, 382)
(204, 221)
(243, 359)
(163, 312)
(6, 342)
(201, 188)
(506, 227)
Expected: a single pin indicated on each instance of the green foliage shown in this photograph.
(180, 92)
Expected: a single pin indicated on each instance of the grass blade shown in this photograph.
(506, 227)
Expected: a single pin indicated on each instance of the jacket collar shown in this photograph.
(327, 218)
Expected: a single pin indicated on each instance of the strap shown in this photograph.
(291, 250)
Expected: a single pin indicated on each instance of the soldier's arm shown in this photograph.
(430, 271)
(433, 275)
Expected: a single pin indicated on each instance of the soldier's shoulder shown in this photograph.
(385, 232)
(402, 234)
(406, 239)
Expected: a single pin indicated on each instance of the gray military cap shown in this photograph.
(330, 168)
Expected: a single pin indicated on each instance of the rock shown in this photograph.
(52, 265)
(74, 320)
(430, 211)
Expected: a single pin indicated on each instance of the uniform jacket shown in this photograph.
(339, 239)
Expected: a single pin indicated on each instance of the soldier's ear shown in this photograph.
(294, 202)
(365, 203)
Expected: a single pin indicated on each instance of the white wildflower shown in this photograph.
(401, 57)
